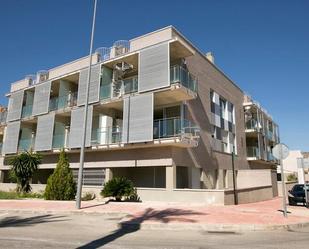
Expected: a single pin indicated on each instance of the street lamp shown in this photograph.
(82, 149)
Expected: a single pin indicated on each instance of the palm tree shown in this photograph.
(23, 167)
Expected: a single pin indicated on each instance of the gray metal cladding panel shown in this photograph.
(44, 132)
(76, 129)
(140, 125)
(81, 95)
(15, 106)
(125, 121)
(94, 85)
(11, 137)
(154, 68)
(41, 98)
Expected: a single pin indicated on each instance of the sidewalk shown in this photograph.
(156, 215)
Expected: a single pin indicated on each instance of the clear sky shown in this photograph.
(262, 45)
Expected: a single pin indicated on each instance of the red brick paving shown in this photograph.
(260, 213)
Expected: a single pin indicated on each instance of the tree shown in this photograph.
(118, 187)
(23, 167)
(61, 184)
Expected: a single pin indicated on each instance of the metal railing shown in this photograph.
(253, 151)
(106, 135)
(61, 102)
(181, 75)
(26, 111)
(172, 127)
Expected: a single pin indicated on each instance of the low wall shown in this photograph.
(288, 186)
(249, 195)
(201, 196)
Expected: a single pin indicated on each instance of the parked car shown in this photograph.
(297, 194)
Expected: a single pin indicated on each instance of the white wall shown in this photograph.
(290, 165)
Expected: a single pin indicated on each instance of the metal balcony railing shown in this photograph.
(106, 135)
(181, 75)
(61, 102)
(26, 111)
(173, 127)
(253, 151)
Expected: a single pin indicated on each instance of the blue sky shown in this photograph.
(262, 45)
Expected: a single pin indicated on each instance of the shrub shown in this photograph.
(61, 184)
(118, 187)
(23, 167)
(88, 196)
(291, 177)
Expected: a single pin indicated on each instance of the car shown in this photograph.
(297, 194)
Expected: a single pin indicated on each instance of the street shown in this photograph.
(43, 230)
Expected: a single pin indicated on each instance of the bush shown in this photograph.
(23, 167)
(291, 177)
(61, 184)
(88, 196)
(118, 187)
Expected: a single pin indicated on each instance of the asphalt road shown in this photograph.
(41, 230)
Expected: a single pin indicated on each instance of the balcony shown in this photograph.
(252, 124)
(60, 141)
(253, 152)
(62, 102)
(182, 76)
(26, 111)
(174, 127)
(119, 88)
(25, 144)
(106, 136)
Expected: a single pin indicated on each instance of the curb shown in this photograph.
(211, 227)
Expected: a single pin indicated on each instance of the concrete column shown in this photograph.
(220, 180)
(1, 176)
(108, 174)
(170, 177)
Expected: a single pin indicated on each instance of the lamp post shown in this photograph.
(82, 149)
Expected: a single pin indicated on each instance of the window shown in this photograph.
(223, 108)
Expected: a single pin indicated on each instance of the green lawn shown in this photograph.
(14, 195)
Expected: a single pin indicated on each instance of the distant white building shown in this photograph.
(290, 165)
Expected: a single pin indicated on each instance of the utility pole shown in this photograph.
(82, 149)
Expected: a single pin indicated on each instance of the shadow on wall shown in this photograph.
(134, 224)
(16, 221)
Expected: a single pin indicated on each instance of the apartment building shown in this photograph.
(161, 113)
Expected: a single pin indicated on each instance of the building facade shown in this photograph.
(161, 113)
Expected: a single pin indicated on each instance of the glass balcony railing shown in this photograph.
(253, 151)
(59, 141)
(61, 102)
(3, 117)
(119, 88)
(270, 157)
(26, 111)
(181, 75)
(252, 125)
(270, 135)
(25, 144)
(106, 135)
(171, 127)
